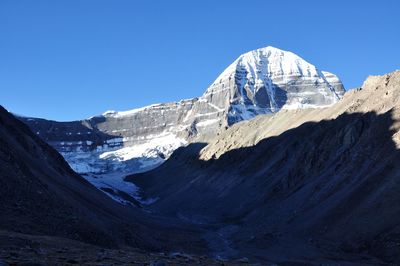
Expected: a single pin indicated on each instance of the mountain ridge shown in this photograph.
(258, 82)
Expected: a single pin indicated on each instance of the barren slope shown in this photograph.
(305, 184)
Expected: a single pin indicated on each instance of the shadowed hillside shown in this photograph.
(323, 190)
(41, 195)
(335, 181)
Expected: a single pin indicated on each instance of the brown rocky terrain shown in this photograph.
(303, 185)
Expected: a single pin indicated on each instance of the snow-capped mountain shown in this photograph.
(258, 82)
(268, 79)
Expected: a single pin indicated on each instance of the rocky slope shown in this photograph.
(22, 249)
(41, 195)
(261, 81)
(309, 185)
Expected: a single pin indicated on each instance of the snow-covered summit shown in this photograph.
(261, 81)
(268, 79)
(269, 61)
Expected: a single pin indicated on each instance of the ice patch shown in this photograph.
(153, 148)
(127, 155)
(115, 181)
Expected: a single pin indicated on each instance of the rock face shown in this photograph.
(259, 82)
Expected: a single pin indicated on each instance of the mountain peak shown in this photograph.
(265, 50)
(268, 79)
(270, 61)
(261, 81)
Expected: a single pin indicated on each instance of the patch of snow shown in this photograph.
(156, 145)
(216, 107)
(109, 112)
(115, 181)
(114, 141)
(207, 122)
(130, 112)
(246, 112)
(128, 155)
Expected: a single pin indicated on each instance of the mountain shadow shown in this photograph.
(324, 190)
(41, 195)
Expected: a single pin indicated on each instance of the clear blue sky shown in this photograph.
(72, 59)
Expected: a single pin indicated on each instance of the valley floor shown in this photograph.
(22, 249)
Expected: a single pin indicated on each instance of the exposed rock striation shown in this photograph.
(258, 82)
